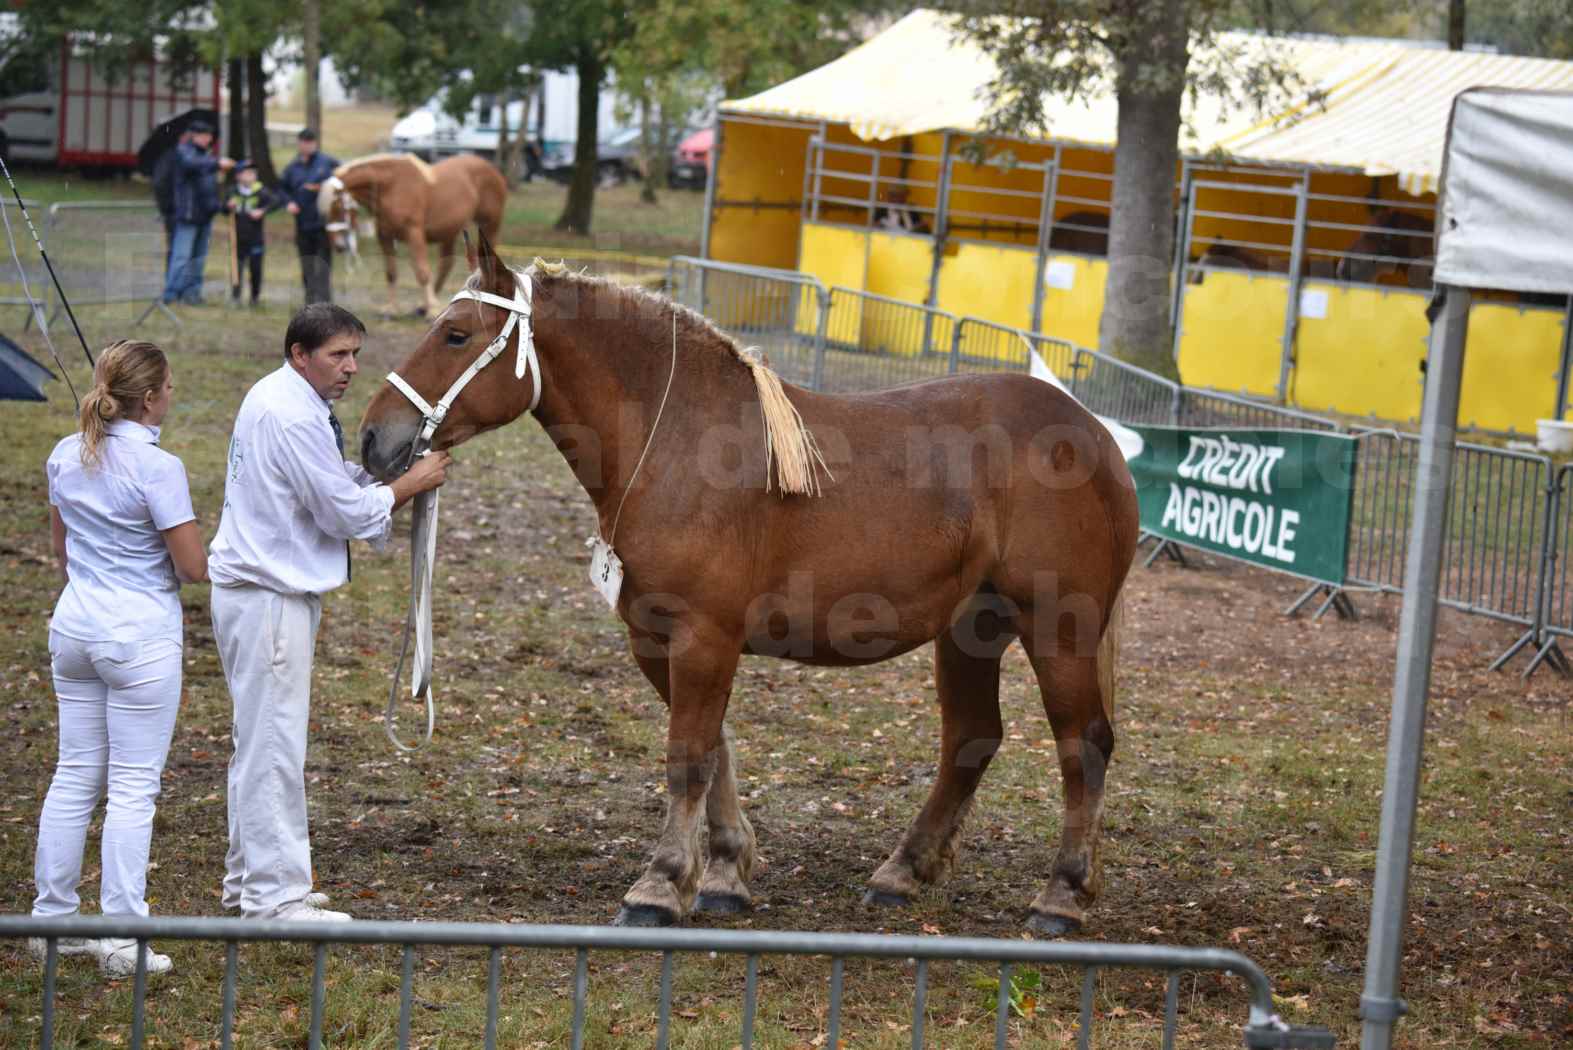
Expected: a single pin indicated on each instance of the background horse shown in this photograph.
(1397, 249)
(969, 511)
(417, 203)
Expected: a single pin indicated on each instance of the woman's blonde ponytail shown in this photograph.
(127, 371)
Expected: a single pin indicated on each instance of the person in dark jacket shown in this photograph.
(249, 202)
(196, 202)
(164, 191)
(301, 180)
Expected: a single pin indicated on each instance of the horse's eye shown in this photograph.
(457, 338)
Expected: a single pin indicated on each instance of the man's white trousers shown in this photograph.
(266, 641)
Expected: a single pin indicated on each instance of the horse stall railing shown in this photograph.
(24, 275)
(1263, 1027)
(874, 341)
(870, 188)
(1500, 541)
(115, 252)
(783, 312)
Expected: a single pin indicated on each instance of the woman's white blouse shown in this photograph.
(123, 586)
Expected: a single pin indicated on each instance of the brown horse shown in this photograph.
(417, 203)
(1397, 248)
(968, 511)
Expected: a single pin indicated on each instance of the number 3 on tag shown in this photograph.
(606, 570)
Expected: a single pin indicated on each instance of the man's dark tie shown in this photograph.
(338, 439)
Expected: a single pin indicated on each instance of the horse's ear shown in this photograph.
(486, 259)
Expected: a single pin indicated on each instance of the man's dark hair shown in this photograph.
(316, 323)
(307, 135)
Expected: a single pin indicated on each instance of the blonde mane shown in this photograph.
(792, 456)
(377, 158)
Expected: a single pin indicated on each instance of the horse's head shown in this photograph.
(475, 368)
(340, 213)
(1393, 239)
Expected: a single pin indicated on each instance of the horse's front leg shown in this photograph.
(416, 239)
(699, 685)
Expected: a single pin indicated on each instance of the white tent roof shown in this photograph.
(1383, 106)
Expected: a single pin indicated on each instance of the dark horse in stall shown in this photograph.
(1398, 248)
(969, 511)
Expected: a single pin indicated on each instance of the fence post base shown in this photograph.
(157, 304)
(1167, 548)
(1337, 599)
(1551, 654)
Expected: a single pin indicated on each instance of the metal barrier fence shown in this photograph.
(1557, 608)
(111, 252)
(24, 272)
(1263, 1027)
(781, 312)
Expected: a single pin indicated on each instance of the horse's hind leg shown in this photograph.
(967, 674)
(1081, 718)
(390, 267)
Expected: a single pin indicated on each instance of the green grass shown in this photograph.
(1242, 808)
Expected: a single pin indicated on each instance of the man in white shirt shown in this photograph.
(291, 505)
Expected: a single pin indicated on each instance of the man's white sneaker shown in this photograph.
(304, 912)
(315, 900)
(120, 959)
(65, 946)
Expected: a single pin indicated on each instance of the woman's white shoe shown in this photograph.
(65, 946)
(119, 959)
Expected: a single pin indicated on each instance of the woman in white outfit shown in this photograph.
(125, 535)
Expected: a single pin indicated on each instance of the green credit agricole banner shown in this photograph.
(1277, 498)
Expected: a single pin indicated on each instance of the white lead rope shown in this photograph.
(423, 556)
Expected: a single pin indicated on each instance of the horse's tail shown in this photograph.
(1108, 657)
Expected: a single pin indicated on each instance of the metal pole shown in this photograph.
(1051, 189)
(1181, 224)
(1179, 292)
(941, 219)
(1292, 307)
(1380, 1006)
(1567, 358)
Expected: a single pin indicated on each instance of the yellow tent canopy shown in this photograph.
(1379, 108)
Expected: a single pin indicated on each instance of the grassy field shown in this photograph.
(1242, 811)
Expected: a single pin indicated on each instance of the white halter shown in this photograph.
(518, 307)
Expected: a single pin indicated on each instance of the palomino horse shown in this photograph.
(417, 203)
(967, 511)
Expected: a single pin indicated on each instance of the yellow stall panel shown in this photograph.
(838, 256)
(899, 265)
(1358, 351)
(1073, 298)
(1231, 332)
(988, 282)
(758, 193)
(1510, 367)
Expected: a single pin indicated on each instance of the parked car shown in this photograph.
(691, 159)
(616, 158)
(432, 133)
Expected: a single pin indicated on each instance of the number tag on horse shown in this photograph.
(606, 570)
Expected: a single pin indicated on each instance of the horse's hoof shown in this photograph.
(886, 900)
(1052, 925)
(644, 915)
(420, 311)
(722, 903)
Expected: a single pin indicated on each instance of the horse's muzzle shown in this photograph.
(385, 449)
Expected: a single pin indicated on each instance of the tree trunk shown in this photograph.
(580, 207)
(648, 149)
(257, 119)
(1455, 25)
(311, 40)
(1136, 298)
(504, 156)
(235, 81)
